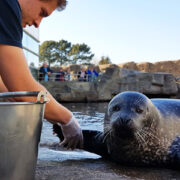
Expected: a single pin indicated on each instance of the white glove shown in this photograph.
(72, 132)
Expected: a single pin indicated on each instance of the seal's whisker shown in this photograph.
(141, 137)
(138, 139)
(106, 126)
(150, 134)
(159, 141)
(141, 131)
(145, 137)
(108, 133)
(107, 129)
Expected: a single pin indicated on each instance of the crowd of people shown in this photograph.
(63, 75)
(86, 75)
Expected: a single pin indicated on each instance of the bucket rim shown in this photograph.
(19, 103)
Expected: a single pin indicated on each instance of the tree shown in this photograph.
(47, 52)
(63, 48)
(104, 60)
(80, 54)
(64, 52)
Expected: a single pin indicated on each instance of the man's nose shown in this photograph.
(37, 22)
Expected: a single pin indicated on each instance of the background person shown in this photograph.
(60, 76)
(14, 15)
(44, 72)
(92, 74)
(82, 75)
(68, 76)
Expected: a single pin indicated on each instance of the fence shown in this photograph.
(67, 77)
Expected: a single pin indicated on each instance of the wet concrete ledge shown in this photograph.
(98, 169)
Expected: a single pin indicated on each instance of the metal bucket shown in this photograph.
(20, 130)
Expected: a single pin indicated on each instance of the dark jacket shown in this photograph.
(60, 76)
(42, 72)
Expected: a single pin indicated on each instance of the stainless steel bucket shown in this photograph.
(20, 130)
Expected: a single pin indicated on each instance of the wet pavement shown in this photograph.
(98, 169)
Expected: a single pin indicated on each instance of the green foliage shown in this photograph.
(104, 60)
(81, 54)
(47, 52)
(64, 52)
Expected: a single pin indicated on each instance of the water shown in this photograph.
(90, 116)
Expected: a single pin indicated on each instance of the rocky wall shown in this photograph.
(112, 82)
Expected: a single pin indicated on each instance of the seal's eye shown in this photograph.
(116, 108)
(138, 110)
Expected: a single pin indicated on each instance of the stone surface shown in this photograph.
(89, 169)
(161, 66)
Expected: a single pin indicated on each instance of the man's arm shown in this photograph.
(16, 76)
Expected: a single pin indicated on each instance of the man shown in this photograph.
(14, 71)
(44, 72)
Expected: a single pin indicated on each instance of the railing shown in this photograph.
(68, 77)
(177, 78)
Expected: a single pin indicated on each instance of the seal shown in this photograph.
(139, 131)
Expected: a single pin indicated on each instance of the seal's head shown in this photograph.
(130, 112)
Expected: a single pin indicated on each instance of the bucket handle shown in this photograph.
(42, 96)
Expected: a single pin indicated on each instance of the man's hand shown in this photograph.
(72, 132)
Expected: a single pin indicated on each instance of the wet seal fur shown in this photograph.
(141, 132)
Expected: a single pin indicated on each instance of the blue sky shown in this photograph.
(124, 30)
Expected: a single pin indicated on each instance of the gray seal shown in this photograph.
(139, 131)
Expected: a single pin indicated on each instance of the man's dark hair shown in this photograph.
(61, 4)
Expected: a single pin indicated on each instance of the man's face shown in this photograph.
(45, 64)
(33, 11)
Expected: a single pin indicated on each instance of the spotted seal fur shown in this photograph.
(141, 131)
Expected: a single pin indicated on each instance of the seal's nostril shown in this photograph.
(124, 121)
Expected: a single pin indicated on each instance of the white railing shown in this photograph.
(72, 77)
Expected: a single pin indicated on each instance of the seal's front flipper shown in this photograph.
(92, 141)
(57, 130)
(174, 152)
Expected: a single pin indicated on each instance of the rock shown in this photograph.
(129, 65)
(112, 82)
(161, 66)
